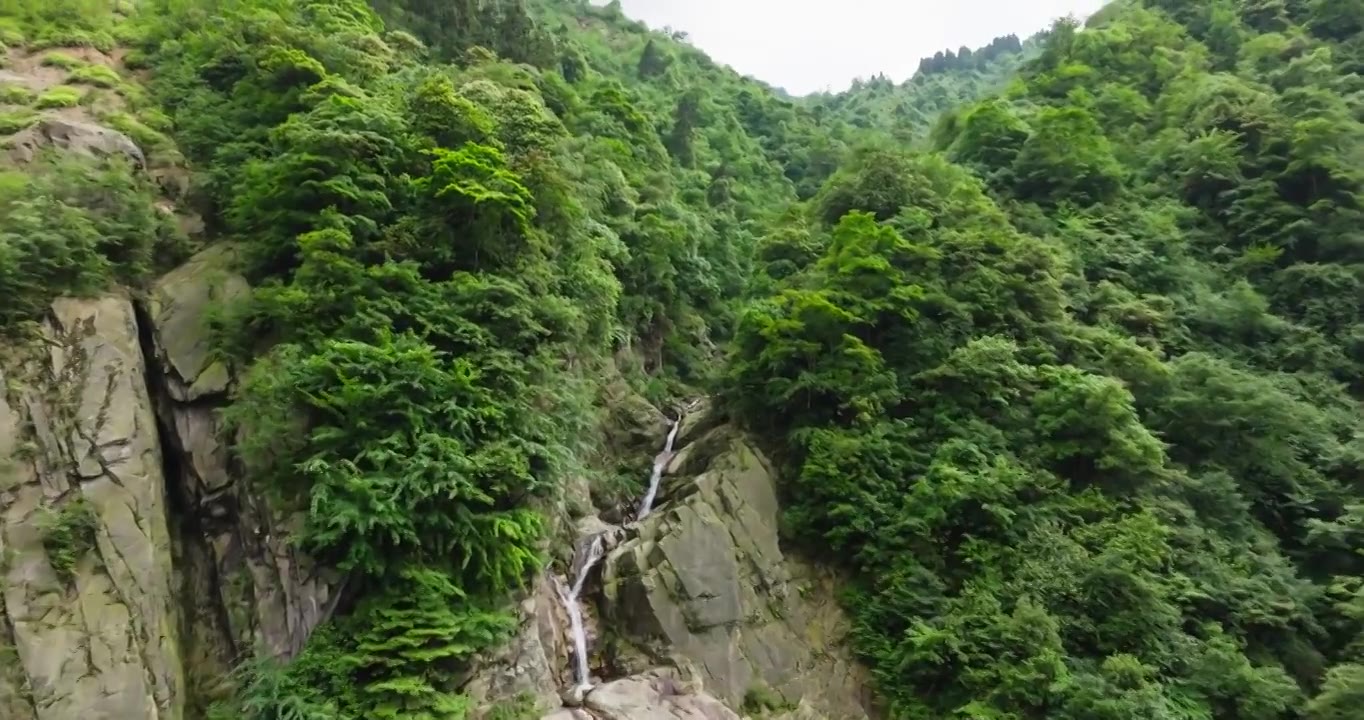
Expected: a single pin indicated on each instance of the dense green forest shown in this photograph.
(1061, 350)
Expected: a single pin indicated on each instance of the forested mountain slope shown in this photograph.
(1077, 394)
(943, 82)
(1062, 395)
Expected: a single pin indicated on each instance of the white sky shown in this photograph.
(811, 45)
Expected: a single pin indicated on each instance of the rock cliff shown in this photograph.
(89, 609)
(139, 565)
(697, 612)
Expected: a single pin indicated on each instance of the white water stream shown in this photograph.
(590, 550)
(660, 463)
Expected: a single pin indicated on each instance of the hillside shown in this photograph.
(507, 359)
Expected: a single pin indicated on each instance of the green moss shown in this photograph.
(762, 699)
(144, 136)
(15, 95)
(12, 121)
(97, 75)
(71, 37)
(63, 61)
(60, 97)
(68, 533)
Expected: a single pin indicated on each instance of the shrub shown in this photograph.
(144, 136)
(71, 227)
(761, 699)
(70, 37)
(15, 95)
(68, 533)
(12, 121)
(10, 34)
(63, 61)
(61, 96)
(97, 75)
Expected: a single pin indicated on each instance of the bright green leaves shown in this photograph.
(339, 159)
(71, 225)
(1341, 696)
(990, 136)
(800, 351)
(409, 639)
(448, 118)
(1089, 428)
(479, 211)
(1067, 158)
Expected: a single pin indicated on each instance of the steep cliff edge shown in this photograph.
(89, 602)
(135, 560)
(243, 587)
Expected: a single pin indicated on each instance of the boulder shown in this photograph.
(74, 136)
(656, 695)
(88, 615)
(705, 578)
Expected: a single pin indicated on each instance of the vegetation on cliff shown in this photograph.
(1068, 385)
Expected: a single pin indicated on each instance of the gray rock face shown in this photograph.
(705, 579)
(73, 136)
(243, 587)
(534, 664)
(92, 637)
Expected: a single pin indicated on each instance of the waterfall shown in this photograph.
(660, 463)
(588, 553)
(591, 549)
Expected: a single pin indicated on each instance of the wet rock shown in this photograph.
(94, 637)
(74, 136)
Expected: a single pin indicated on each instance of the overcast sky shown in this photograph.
(808, 45)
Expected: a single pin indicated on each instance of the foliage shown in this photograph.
(70, 225)
(12, 121)
(1059, 343)
(61, 96)
(15, 95)
(68, 533)
(1081, 415)
(97, 75)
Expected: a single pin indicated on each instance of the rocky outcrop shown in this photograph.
(705, 578)
(534, 665)
(85, 138)
(244, 588)
(87, 629)
(702, 590)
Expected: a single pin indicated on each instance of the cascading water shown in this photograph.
(591, 549)
(660, 463)
(588, 553)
